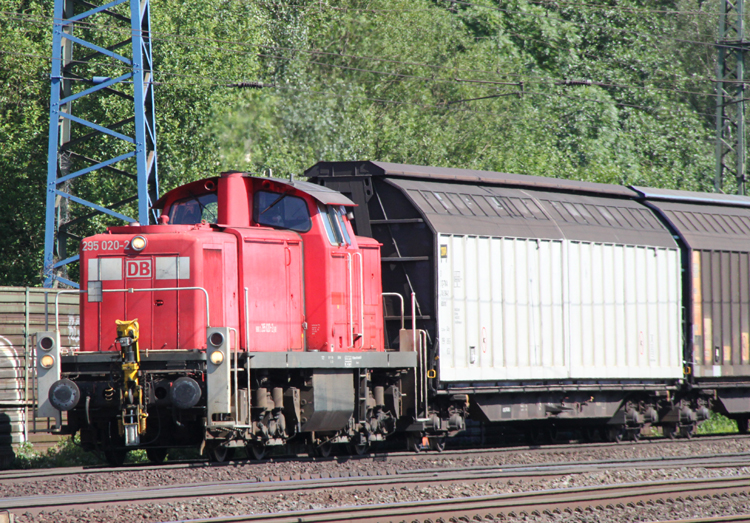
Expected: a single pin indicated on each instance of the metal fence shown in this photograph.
(23, 312)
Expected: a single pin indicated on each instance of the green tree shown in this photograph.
(199, 48)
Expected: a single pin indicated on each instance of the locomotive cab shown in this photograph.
(249, 315)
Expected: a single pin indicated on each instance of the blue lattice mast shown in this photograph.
(117, 153)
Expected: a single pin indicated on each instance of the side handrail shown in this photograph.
(236, 370)
(57, 308)
(402, 304)
(131, 290)
(361, 332)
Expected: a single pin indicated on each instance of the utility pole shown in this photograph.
(730, 96)
(101, 57)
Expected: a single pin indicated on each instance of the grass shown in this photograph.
(718, 424)
(68, 453)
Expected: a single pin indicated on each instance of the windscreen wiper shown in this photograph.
(277, 200)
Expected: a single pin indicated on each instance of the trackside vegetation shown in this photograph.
(608, 91)
(68, 452)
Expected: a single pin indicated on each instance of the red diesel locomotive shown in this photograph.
(249, 315)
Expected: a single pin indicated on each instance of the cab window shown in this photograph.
(342, 223)
(194, 209)
(281, 211)
(334, 225)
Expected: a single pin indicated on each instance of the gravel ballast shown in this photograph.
(176, 510)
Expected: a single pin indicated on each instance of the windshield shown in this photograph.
(194, 209)
(282, 211)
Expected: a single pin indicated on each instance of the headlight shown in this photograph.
(47, 361)
(138, 243)
(216, 339)
(216, 357)
(46, 343)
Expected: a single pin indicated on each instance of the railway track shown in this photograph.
(518, 504)
(8, 476)
(397, 478)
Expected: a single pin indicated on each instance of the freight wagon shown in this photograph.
(559, 303)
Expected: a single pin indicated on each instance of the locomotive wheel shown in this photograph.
(220, 454)
(438, 443)
(156, 455)
(115, 457)
(413, 443)
(357, 449)
(256, 451)
(537, 436)
(615, 434)
(320, 451)
(554, 435)
(593, 434)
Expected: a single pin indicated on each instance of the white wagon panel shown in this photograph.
(535, 309)
(500, 309)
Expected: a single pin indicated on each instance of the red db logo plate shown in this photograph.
(138, 269)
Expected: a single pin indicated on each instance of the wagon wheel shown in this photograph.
(115, 457)
(670, 430)
(156, 455)
(742, 424)
(615, 434)
(220, 454)
(438, 443)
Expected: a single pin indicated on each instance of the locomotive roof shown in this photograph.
(465, 176)
(320, 193)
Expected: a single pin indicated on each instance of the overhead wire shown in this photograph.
(586, 24)
(223, 82)
(634, 10)
(156, 36)
(523, 79)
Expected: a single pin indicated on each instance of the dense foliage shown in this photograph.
(615, 91)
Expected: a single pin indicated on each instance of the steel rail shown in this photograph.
(246, 487)
(737, 518)
(499, 506)
(734, 460)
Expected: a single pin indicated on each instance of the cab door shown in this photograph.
(345, 269)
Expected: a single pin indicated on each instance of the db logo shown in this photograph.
(138, 268)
